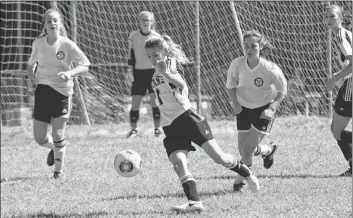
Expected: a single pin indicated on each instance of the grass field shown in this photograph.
(301, 183)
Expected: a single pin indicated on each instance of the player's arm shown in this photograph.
(131, 61)
(80, 61)
(32, 62)
(281, 86)
(346, 71)
(232, 80)
(172, 76)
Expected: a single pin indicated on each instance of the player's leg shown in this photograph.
(41, 121)
(62, 106)
(340, 120)
(179, 161)
(153, 100)
(136, 101)
(229, 161)
(156, 115)
(58, 132)
(338, 125)
(177, 144)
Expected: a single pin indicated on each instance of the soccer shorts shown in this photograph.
(189, 127)
(48, 104)
(342, 107)
(142, 82)
(248, 118)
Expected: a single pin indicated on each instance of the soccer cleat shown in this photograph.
(253, 183)
(196, 206)
(268, 159)
(348, 173)
(158, 132)
(50, 158)
(132, 134)
(58, 175)
(238, 187)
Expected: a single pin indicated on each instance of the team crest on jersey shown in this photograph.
(258, 81)
(60, 55)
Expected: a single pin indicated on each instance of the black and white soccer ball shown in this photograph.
(127, 163)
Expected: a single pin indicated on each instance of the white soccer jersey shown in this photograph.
(258, 86)
(137, 42)
(61, 56)
(172, 101)
(343, 40)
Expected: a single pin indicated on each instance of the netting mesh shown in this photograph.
(296, 29)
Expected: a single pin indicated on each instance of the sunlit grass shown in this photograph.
(302, 182)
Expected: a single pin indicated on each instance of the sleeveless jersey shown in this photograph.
(172, 101)
(343, 40)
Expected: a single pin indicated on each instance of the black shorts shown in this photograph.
(188, 127)
(48, 104)
(342, 107)
(142, 82)
(248, 118)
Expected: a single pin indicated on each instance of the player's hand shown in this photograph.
(32, 78)
(130, 76)
(161, 67)
(237, 109)
(268, 114)
(331, 83)
(66, 76)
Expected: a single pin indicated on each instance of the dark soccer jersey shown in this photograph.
(343, 40)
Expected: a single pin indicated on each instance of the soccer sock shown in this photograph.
(134, 116)
(48, 143)
(59, 155)
(156, 117)
(346, 136)
(189, 187)
(239, 168)
(263, 149)
(346, 149)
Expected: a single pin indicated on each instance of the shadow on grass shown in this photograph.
(282, 176)
(54, 215)
(168, 195)
(21, 179)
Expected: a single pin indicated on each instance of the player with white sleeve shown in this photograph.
(256, 87)
(181, 124)
(53, 63)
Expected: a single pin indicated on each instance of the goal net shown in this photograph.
(296, 29)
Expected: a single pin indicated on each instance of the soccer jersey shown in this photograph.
(137, 53)
(343, 39)
(61, 56)
(172, 101)
(258, 86)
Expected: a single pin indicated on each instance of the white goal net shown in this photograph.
(296, 29)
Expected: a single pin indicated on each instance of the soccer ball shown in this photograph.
(127, 163)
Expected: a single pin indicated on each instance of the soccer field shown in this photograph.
(303, 181)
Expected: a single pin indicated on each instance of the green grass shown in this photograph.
(302, 182)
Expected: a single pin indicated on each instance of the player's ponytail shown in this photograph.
(265, 44)
(174, 50)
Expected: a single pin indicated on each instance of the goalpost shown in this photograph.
(206, 31)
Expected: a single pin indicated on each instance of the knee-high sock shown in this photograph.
(59, 155)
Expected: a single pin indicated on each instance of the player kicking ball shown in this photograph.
(183, 125)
